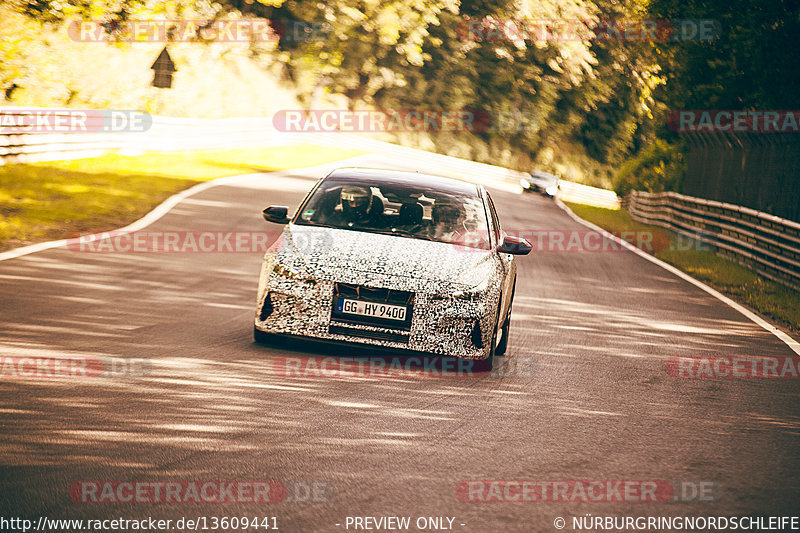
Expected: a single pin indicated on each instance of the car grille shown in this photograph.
(373, 294)
(377, 295)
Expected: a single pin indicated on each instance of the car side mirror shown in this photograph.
(514, 245)
(279, 214)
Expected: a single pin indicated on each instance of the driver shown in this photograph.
(356, 203)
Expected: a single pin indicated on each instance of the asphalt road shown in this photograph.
(582, 395)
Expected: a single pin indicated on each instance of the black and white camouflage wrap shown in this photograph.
(301, 267)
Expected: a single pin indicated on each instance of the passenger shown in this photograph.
(448, 221)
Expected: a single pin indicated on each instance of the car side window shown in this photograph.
(495, 220)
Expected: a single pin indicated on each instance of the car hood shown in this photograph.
(329, 253)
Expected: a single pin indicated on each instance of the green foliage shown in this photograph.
(421, 56)
(542, 94)
(604, 100)
(658, 167)
(749, 66)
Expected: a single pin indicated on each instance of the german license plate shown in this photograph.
(371, 309)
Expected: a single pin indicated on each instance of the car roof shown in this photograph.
(401, 177)
(543, 175)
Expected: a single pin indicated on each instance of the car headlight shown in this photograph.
(464, 296)
(472, 294)
(290, 272)
(469, 296)
(287, 272)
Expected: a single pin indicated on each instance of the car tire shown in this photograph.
(503, 345)
(261, 337)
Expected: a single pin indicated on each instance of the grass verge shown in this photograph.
(53, 200)
(776, 301)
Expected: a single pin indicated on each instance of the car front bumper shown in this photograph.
(443, 326)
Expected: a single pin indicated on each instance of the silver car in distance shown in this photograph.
(392, 259)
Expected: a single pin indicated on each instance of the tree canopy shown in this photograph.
(591, 79)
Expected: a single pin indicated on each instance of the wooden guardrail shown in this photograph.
(767, 244)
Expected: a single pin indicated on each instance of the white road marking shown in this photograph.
(783, 336)
(164, 207)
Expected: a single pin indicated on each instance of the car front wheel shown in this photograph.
(260, 337)
(501, 347)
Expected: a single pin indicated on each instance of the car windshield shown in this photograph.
(404, 208)
(544, 177)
